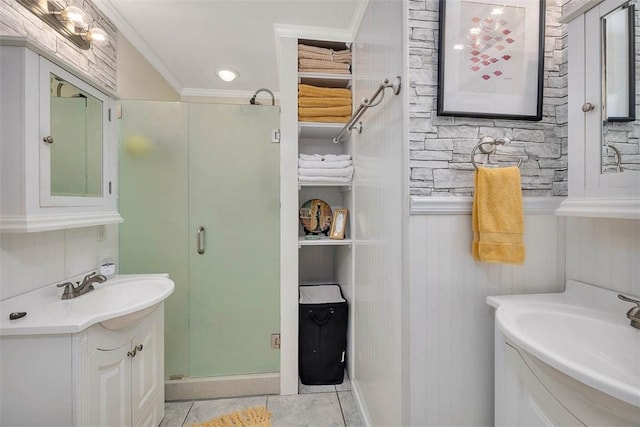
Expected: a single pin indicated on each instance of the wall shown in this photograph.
(605, 253)
(99, 62)
(441, 145)
(451, 327)
(379, 198)
(137, 79)
(30, 261)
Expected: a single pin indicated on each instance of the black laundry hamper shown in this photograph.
(322, 340)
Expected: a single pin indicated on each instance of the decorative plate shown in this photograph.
(315, 217)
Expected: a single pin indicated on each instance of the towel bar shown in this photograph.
(492, 143)
(365, 104)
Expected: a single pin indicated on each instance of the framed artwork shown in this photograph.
(490, 59)
(339, 224)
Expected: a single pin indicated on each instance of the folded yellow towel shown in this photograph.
(345, 110)
(497, 217)
(329, 119)
(324, 102)
(323, 70)
(322, 92)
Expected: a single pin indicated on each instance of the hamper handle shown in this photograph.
(323, 321)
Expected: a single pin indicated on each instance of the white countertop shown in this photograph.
(47, 313)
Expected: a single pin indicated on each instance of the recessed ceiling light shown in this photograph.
(226, 74)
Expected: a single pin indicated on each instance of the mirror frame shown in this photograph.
(46, 199)
(629, 9)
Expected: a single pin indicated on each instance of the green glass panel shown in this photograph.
(153, 200)
(234, 193)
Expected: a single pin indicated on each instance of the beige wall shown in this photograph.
(136, 77)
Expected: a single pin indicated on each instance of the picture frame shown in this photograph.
(339, 224)
(491, 58)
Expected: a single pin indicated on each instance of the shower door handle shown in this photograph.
(200, 240)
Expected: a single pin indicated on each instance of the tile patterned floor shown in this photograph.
(326, 406)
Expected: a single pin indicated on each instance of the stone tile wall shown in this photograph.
(440, 146)
(99, 62)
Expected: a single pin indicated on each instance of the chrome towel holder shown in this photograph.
(367, 103)
(492, 144)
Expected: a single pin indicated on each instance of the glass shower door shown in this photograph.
(183, 166)
(234, 200)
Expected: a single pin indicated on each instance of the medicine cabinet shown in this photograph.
(58, 164)
(604, 131)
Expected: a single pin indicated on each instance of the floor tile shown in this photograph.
(175, 413)
(305, 410)
(204, 410)
(350, 412)
(305, 389)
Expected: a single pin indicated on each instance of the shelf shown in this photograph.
(319, 130)
(343, 186)
(325, 79)
(323, 241)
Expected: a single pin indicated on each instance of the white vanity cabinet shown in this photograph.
(97, 377)
(58, 163)
(598, 137)
(125, 374)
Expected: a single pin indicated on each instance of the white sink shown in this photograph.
(583, 332)
(115, 304)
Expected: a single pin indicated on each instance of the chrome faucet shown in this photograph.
(71, 291)
(634, 313)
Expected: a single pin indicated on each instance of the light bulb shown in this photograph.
(97, 35)
(227, 75)
(75, 15)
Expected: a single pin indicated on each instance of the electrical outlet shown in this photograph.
(275, 340)
(101, 233)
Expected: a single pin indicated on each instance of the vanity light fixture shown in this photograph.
(227, 74)
(70, 21)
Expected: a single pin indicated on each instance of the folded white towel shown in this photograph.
(336, 179)
(310, 156)
(321, 164)
(348, 172)
(336, 157)
(326, 157)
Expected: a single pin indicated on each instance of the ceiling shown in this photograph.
(188, 40)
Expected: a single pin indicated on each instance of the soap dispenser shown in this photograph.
(108, 267)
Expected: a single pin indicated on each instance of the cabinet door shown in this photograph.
(528, 403)
(110, 388)
(146, 371)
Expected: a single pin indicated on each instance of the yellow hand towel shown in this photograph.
(344, 110)
(322, 92)
(497, 217)
(323, 102)
(327, 119)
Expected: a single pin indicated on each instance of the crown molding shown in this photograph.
(134, 38)
(421, 205)
(356, 18)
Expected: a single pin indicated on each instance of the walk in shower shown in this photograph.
(199, 194)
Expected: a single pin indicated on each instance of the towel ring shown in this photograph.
(492, 143)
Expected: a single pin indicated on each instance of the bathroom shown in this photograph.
(421, 335)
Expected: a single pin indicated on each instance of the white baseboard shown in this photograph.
(217, 387)
(362, 408)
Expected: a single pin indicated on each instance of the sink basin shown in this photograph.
(586, 336)
(115, 304)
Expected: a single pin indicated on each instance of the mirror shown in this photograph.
(76, 151)
(620, 129)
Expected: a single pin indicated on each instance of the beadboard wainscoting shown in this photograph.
(604, 252)
(451, 325)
